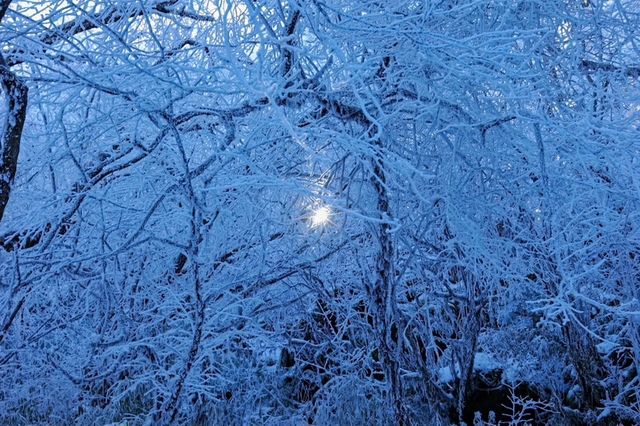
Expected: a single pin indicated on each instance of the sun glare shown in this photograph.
(320, 216)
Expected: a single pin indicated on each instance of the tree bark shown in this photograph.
(16, 93)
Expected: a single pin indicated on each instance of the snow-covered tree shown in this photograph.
(349, 212)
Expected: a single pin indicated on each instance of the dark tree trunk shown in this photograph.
(16, 93)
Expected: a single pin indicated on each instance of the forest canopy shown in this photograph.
(411, 212)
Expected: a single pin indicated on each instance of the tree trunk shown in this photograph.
(17, 97)
(384, 294)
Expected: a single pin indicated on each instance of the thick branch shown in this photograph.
(288, 52)
(4, 6)
(592, 66)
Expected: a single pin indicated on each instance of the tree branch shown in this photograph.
(91, 21)
(592, 66)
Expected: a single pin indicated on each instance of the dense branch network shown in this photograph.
(324, 212)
